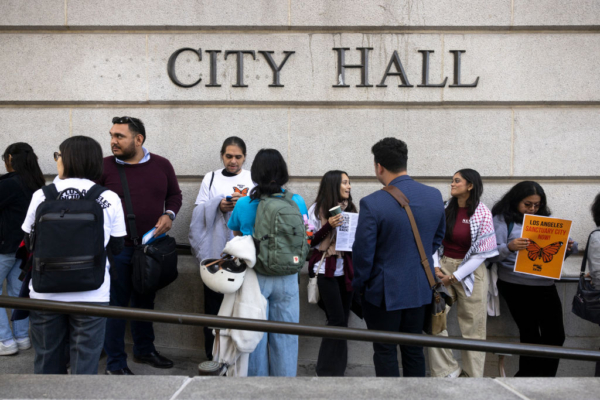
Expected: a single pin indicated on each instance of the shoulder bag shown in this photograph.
(440, 296)
(154, 265)
(586, 302)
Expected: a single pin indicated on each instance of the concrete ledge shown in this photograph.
(179, 387)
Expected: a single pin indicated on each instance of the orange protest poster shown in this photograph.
(548, 240)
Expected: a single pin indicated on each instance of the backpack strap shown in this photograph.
(212, 178)
(585, 253)
(50, 192)
(94, 192)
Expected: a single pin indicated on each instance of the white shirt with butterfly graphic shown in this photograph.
(114, 225)
(223, 186)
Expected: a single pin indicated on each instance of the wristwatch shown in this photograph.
(171, 216)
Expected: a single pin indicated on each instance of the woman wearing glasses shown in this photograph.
(16, 188)
(533, 301)
(79, 164)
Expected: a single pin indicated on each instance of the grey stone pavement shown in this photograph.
(183, 387)
(181, 382)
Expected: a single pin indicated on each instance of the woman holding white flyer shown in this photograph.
(334, 268)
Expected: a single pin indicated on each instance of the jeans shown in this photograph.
(409, 320)
(472, 320)
(212, 304)
(277, 354)
(333, 353)
(9, 270)
(121, 294)
(537, 310)
(52, 333)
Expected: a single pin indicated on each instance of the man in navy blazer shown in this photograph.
(387, 268)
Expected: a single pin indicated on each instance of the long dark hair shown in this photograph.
(508, 205)
(595, 209)
(269, 172)
(329, 194)
(82, 158)
(25, 163)
(472, 177)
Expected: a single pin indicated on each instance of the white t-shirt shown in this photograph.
(114, 225)
(223, 186)
(339, 268)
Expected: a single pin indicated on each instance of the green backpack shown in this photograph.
(280, 236)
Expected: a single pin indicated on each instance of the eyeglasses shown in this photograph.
(124, 120)
(4, 158)
(57, 155)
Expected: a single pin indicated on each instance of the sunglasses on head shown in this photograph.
(124, 120)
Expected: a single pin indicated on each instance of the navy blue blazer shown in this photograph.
(387, 266)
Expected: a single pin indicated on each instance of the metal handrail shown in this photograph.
(298, 329)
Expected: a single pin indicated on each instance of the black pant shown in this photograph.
(333, 353)
(537, 310)
(212, 304)
(409, 320)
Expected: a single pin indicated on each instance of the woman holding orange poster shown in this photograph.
(532, 300)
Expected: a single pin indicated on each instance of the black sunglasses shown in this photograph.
(124, 120)
(56, 155)
(4, 158)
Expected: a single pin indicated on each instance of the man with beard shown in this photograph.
(156, 200)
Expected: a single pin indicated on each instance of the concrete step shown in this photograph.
(181, 387)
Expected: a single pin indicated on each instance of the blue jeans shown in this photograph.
(277, 354)
(9, 270)
(123, 295)
(60, 338)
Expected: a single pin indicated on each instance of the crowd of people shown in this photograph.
(470, 249)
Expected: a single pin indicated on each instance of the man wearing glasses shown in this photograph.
(156, 200)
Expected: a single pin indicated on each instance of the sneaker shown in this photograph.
(6, 350)
(454, 374)
(23, 343)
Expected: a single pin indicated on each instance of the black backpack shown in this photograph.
(68, 241)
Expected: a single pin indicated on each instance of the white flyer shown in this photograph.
(346, 232)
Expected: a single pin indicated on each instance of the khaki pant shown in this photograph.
(472, 319)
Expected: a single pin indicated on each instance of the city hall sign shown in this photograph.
(394, 68)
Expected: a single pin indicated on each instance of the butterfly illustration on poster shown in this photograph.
(545, 254)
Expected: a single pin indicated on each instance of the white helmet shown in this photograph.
(224, 275)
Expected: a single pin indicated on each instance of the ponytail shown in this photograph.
(25, 163)
(269, 172)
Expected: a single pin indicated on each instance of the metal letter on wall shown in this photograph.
(276, 69)
(171, 66)
(425, 76)
(240, 64)
(341, 71)
(213, 68)
(457, 83)
(395, 61)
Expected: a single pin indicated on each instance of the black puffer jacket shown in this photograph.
(15, 197)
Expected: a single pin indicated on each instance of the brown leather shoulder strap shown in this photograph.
(403, 201)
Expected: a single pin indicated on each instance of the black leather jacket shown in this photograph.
(15, 197)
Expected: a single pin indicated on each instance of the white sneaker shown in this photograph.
(23, 343)
(454, 374)
(6, 350)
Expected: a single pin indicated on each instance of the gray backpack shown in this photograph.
(280, 236)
